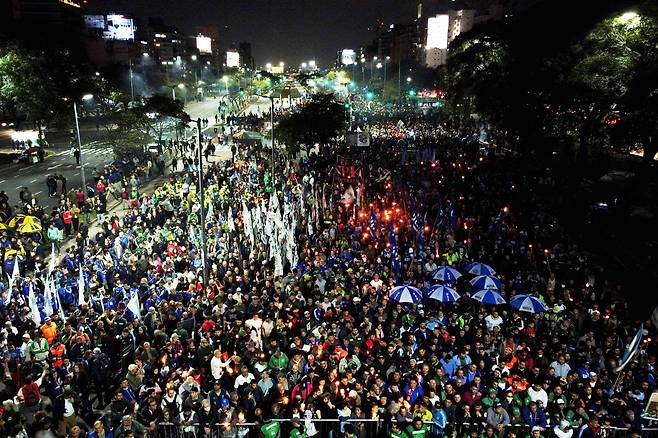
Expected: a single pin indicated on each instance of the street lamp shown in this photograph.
(304, 65)
(408, 79)
(77, 129)
(193, 57)
(311, 63)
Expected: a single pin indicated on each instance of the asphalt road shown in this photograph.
(15, 176)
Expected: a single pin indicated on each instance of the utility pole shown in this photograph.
(82, 164)
(132, 87)
(202, 213)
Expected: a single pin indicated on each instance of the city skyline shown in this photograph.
(321, 29)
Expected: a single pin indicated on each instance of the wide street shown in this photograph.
(13, 177)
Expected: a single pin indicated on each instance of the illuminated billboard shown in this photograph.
(437, 32)
(232, 59)
(204, 44)
(348, 57)
(119, 27)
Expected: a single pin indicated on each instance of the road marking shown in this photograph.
(3, 181)
(62, 153)
(76, 174)
(33, 181)
(38, 193)
(54, 167)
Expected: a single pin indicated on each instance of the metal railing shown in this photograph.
(364, 428)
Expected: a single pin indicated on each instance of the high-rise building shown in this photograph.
(442, 29)
(44, 21)
(246, 58)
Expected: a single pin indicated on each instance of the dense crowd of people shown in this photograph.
(289, 315)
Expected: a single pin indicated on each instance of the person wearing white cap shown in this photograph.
(563, 430)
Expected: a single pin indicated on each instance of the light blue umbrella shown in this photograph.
(446, 274)
(477, 268)
(442, 293)
(486, 282)
(488, 297)
(406, 294)
(527, 303)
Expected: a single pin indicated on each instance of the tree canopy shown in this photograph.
(317, 122)
(593, 79)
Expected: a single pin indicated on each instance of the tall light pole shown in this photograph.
(132, 88)
(388, 58)
(77, 128)
(201, 209)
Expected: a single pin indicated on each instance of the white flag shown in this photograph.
(133, 306)
(47, 299)
(58, 300)
(81, 288)
(231, 220)
(15, 274)
(34, 308)
(51, 265)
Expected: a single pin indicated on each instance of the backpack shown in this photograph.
(31, 395)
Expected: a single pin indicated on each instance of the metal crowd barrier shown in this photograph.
(364, 428)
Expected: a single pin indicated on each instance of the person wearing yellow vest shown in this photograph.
(49, 330)
(57, 352)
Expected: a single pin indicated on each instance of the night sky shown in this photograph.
(279, 30)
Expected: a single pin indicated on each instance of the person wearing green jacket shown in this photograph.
(279, 360)
(297, 429)
(270, 429)
(396, 432)
(417, 429)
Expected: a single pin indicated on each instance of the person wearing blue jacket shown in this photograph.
(533, 415)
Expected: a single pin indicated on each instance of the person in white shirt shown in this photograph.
(217, 365)
(493, 320)
(537, 394)
(245, 377)
(376, 282)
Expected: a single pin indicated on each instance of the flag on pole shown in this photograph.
(631, 350)
(15, 274)
(51, 265)
(373, 225)
(81, 288)
(60, 309)
(395, 256)
(47, 299)
(133, 306)
(34, 308)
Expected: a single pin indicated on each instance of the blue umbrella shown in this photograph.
(486, 282)
(446, 274)
(477, 268)
(406, 294)
(527, 303)
(442, 293)
(488, 297)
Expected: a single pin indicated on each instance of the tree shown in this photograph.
(26, 88)
(158, 115)
(319, 121)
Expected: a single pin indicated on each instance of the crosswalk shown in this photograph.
(101, 151)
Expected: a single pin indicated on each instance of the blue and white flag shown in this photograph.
(373, 225)
(133, 306)
(631, 350)
(81, 288)
(395, 255)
